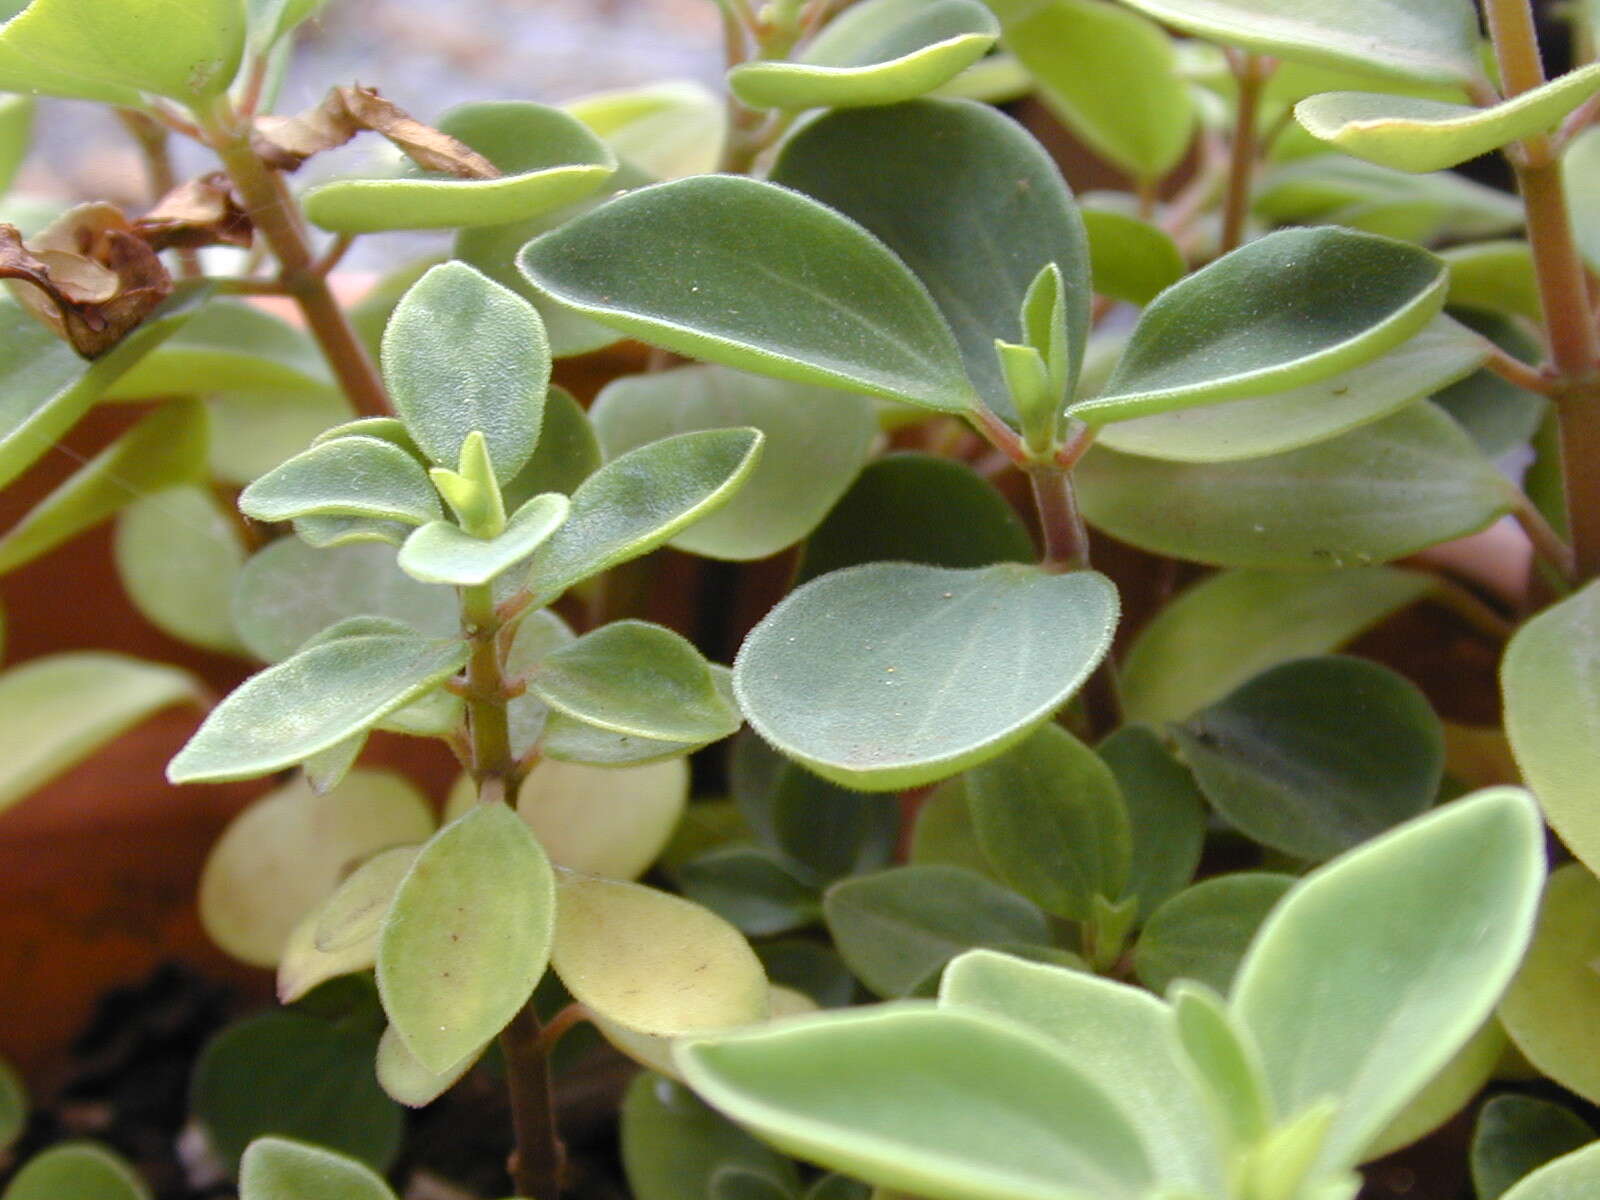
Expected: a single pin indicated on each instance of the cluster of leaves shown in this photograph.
(1296, 389)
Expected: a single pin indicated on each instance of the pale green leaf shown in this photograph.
(404, 1079)
(178, 555)
(111, 50)
(1048, 814)
(1119, 1037)
(642, 500)
(1571, 1177)
(252, 432)
(566, 455)
(754, 276)
(1425, 41)
(275, 1168)
(355, 911)
(977, 239)
(1374, 494)
(1081, 54)
(228, 346)
(879, 52)
(1495, 276)
(284, 855)
(81, 1170)
(312, 701)
(815, 442)
(16, 131)
(467, 936)
(302, 968)
(897, 928)
(1467, 877)
(637, 679)
(63, 707)
(939, 1102)
(1447, 1093)
(1132, 260)
(1550, 678)
(165, 448)
(1428, 135)
(347, 476)
(667, 130)
(547, 159)
(1276, 422)
(1580, 169)
(1227, 1064)
(463, 354)
(604, 821)
(1550, 1009)
(271, 20)
(1288, 309)
(440, 552)
(652, 962)
(889, 675)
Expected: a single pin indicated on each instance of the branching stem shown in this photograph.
(1250, 72)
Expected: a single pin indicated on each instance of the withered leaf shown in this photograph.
(88, 275)
(286, 142)
(201, 212)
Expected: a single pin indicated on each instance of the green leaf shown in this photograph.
(1495, 277)
(228, 346)
(440, 552)
(750, 887)
(278, 1169)
(1567, 1178)
(1499, 416)
(1550, 1008)
(897, 928)
(1374, 494)
(178, 555)
(1468, 878)
(637, 679)
(1081, 54)
(941, 1102)
(46, 387)
(1166, 815)
(976, 239)
(667, 130)
(467, 936)
(16, 131)
(754, 276)
(111, 50)
(1202, 933)
(547, 159)
(889, 675)
(876, 53)
(1314, 756)
(63, 707)
(290, 591)
(917, 508)
(1119, 1037)
(295, 1076)
(1228, 1066)
(355, 911)
(1551, 681)
(303, 968)
(348, 476)
(253, 432)
(81, 1170)
(312, 701)
(567, 454)
(672, 1143)
(1049, 816)
(815, 442)
(1426, 41)
(652, 962)
(281, 858)
(1232, 626)
(13, 1106)
(1447, 1093)
(1258, 426)
(406, 1080)
(271, 20)
(165, 448)
(463, 354)
(1288, 309)
(1411, 134)
(642, 500)
(1516, 1135)
(1132, 260)
(1580, 169)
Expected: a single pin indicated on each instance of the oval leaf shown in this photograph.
(440, 552)
(81, 1170)
(1518, 1134)
(467, 936)
(178, 555)
(357, 476)
(890, 675)
(1202, 933)
(278, 1169)
(754, 276)
(1285, 310)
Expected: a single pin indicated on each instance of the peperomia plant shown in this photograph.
(1164, 897)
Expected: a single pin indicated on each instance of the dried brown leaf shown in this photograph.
(286, 142)
(202, 212)
(89, 276)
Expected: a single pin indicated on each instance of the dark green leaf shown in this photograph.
(750, 888)
(1166, 815)
(1516, 1135)
(672, 1143)
(1203, 932)
(1133, 260)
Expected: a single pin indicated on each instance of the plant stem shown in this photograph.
(1547, 544)
(539, 1162)
(1563, 287)
(151, 138)
(1066, 544)
(1250, 71)
(275, 215)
